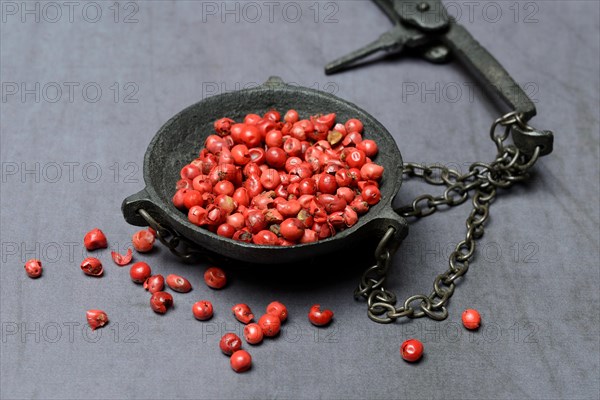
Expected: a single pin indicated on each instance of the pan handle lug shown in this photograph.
(387, 219)
(131, 205)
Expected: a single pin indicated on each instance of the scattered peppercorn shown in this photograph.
(160, 302)
(215, 278)
(143, 241)
(154, 283)
(278, 309)
(471, 319)
(96, 318)
(230, 343)
(178, 283)
(270, 324)
(411, 350)
(242, 313)
(33, 268)
(318, 317)
(241, 361)
(95, 239)
(92, 266)
(120, 259)
(253, 333)
(202, 310)
(139, 272)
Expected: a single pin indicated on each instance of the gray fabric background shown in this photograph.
(535, 279)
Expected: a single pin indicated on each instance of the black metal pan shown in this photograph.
(181, 138)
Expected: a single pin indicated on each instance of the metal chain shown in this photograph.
(483, 180)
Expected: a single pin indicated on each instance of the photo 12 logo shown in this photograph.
(472, 11)
(69, 172)
(521, 332)
(463, 92)
(69, 92)
(53, 12)
(270, 11)
(70, 331)
(52, 252)
(491, 252)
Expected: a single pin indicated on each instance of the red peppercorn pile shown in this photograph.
(281, 182)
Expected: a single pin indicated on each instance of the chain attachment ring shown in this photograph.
(172, 240)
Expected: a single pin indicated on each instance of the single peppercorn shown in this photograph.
(178, 283)
(143, 241)
(230, 343)
(92, 266)
(33, 268)
(215, 278)
(95, 239)
(270, 325)
(202, 310)
(471, 319)
(278, 309)
(253, 333)
(96, 318)
(160, 302)
(242, 313)
(411, 350)
(120, 259)
(154, 283)
(139, 272)
(241, 361)
(319, 317)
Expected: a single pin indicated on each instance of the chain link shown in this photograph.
(483, 180)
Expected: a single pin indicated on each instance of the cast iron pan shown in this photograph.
(182, 137)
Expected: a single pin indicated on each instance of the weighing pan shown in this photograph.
(180, 139)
